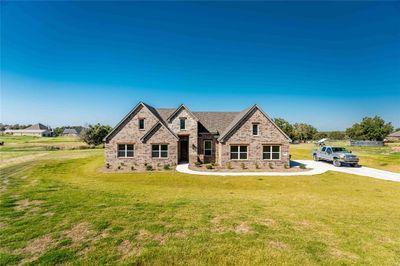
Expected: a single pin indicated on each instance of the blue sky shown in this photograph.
(328, 64)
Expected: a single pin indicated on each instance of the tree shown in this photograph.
(285, 126)
(370, 128)
(95, 134)
(303, 131)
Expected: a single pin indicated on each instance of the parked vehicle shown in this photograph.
(336, 155)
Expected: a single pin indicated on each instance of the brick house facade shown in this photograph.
(157, 137)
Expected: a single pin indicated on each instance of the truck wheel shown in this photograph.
(315, 157)
(336, 163)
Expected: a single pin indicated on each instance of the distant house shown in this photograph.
(394, 136)
(38, 130)
(70, 132)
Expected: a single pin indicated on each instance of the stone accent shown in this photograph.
(243, 135)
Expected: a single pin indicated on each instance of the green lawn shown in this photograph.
(59, 208)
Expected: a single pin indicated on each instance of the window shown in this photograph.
(329, 150)
(255, 129)
(141, 123)
(125, 150)
(238, 152)
(271, 152)
(182, 123)
(207, 147)
(159, 151)
(323, 149)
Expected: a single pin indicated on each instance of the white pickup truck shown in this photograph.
(336, 155)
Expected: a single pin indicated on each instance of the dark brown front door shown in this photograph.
(183, 150)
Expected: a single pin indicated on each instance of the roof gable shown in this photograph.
(243, 115)
(37, 126)
(154, 129)
(182, 106)
(140, 105)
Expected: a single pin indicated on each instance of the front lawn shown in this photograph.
(60, 209)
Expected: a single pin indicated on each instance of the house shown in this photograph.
(150, 136)
(395, 136)
(71, 132)
(38, 130)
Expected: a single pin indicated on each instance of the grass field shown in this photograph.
(58, 208)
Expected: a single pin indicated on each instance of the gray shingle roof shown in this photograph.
(395, 134)
(37, 126)
(70, 131)
(212, 121)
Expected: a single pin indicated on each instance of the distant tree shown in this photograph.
(320, 135)
(3, 127)
(95, 134)
(370, 128)
(303, 131)
(285, 126)
(337, 135)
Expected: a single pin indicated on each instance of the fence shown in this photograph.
(366, 143)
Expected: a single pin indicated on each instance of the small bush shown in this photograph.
(302, 166)
(158, 164)
(145, 164)
(119, 167)
(198, 164)
(271, 166)
(256, 165)
(209, 166)
(149, 167)
(229, 165)
(133, 168)
(243, 166)
(167, 167)
(287, 166)
(108, 165)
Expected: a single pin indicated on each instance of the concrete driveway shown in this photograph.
(317, 168)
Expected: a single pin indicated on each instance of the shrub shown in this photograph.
(167, 167)
(243, 166)
(119, 167)
(197, 164)
(229, 165)
(209, 166)
(271, 166)
(287, 166)
(158, 164)
(149, 167)
(256, 165)
(133, 168)
(302, 166)
(108, 165)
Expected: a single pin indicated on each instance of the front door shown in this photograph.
(184, 150)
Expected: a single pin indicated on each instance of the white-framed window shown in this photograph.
(239, 152)
(125, 150)
(207, 147)
(255, 129)
(271, 152)
(141, 123)
(182, 123)
(159, 151)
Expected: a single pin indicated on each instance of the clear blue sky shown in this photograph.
(328, 64)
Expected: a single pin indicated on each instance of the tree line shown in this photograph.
(370, 128)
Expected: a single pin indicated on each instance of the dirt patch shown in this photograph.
(24, 204)
(181, 234)
(127, 249)
(79, 232)
(396, 149)
(216, 222)
(278, 245)
(3, 225)
(267, 222)
(161, 238)
(250, 168)
(339, 254)
(143, 235)
(21, 159)
(242, 228)
(39, 245)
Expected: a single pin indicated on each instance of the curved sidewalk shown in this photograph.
(317, 168)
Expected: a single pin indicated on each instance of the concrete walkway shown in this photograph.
(317, 168)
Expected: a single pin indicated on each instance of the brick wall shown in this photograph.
(268, 135)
